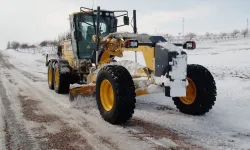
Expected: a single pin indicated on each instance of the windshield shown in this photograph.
(86, 25)
(86, 45)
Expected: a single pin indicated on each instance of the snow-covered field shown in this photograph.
(226, 126)
(228, 123)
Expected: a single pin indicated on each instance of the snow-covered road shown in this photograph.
(38, 118)
(33, 116)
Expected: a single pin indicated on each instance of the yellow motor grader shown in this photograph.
(86, 66)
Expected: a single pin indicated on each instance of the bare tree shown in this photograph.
(244, 32)
(44, 43)
(169, 37)
(15, 44)
(222, 35)
(49, 43)
(214, 36)
(24, 46)
(211, 35)
(234, 33)
(68, 35)
(63, 36)
(54, 43)
(207, 35)
(190, 36)
(60, 38)
(32, 46)
(8, 45)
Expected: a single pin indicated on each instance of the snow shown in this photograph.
(170, 47)
(87, 103)
(131, 56)
(178, 88)
(178, 73)
(65, 70)
(228, 120)
(226, 126)
(155, 89)
(131, 66)
(2, 126)
(162, 79)
(179, 67)
(29, 63)
(167, 143)
(76, 85)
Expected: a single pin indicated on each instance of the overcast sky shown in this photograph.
(35, 20)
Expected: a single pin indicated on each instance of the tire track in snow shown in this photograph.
(31, 76)
(163, 137)
(88, 128)
(65, 132)
(16, 135)
(148, 134)
(96, 141)
(160, 137)
(2, 133)
(62, 139)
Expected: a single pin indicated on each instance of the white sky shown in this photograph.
(34, 20)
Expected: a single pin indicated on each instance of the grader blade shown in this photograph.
(84, 90)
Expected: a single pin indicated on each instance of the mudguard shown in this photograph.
(64, 64)
(170, 69)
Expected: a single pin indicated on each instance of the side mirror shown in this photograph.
(189, 45)
(126, 20)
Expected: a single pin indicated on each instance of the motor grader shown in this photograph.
(86, 66)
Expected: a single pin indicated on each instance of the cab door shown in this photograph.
(84, 32)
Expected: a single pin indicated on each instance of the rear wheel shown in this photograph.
(61, 80)
(115, 94)
(50, 76)
(201, 91)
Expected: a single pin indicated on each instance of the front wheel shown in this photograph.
(115, 94)
(200, 93)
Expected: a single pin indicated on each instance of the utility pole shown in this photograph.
(93, 4)
(183, 28)
(247, 24)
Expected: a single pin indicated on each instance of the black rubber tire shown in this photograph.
(124, 94)
(51, 85)
(64, 81)
(206, 91)
(74, 78)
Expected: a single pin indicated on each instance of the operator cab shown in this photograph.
(84, 25)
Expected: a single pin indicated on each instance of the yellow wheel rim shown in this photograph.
(56, 77)
(107, 95)
(50, 76)
(190, 93)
